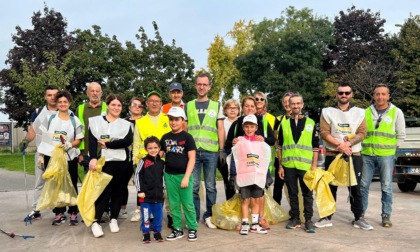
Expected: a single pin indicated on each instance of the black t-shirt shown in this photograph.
(176, 146)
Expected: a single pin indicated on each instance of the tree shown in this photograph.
(407, 53)
(225, 75)
(287, 56)
(33, 52)
(158, 64)
(359, 54)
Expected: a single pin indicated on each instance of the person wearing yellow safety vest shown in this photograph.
(154, 123)
(205, 124)
(336, 124)
(385, 132)
(86, 110)
(278, 182)
(298, 152)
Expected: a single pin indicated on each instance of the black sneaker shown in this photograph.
(146, 238)
(192, 235)
(170, 222)
(59, 219)
(293, 223)
(158, 237)
(34, 215)
(73, 220)
(309, 227)
(176, 234)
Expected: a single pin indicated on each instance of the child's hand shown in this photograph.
(184, 182)
(259, 138)
(141, 195)
(235, 140)
(92, 164)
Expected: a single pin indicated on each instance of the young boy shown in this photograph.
(252, 166)
(149, 184)
(179, 148)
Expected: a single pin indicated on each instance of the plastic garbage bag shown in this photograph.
(58, 190)
(93, 185)
(318, 181)
(228, 215)
(343, 171)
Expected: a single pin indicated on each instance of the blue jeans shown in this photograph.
(385, 166)
(207, 160)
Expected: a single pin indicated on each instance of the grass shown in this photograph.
(14, 162)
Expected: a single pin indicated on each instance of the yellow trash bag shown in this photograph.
(228, 215)
(58, 190)
(93, 185)
(343, 171)
(318, 180)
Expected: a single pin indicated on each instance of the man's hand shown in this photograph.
(40, 163)
(141, 195)
(222, 157)
(23, 145)
(344, 147)
(281, 172)
(66, 146)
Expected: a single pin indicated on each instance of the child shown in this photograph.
(149, 184)
(251, 173)
(180, 150)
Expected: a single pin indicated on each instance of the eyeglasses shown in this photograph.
(346, 93)
(136, 105)
(154, 101)
(259, 99)
(233, 108)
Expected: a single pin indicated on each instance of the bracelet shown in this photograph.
(221, 150)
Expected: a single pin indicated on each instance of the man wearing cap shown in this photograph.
(175, 93)
(154, 123)
(205, 124)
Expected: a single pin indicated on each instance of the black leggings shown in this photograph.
(114, 190)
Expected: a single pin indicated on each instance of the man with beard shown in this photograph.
(336, 124)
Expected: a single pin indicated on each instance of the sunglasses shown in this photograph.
(378, 122)
(259, 99)
(136, 105)
(346, 93)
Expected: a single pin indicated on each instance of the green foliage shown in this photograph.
(407, 53)
(287, 56)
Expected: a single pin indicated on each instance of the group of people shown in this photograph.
(173, 144)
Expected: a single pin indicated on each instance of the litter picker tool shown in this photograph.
(13, 235)
(27, 218)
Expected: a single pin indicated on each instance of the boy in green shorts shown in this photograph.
(180, 150)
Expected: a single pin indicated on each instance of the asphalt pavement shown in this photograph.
(341, 237)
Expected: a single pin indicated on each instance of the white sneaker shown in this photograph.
(97, 230)
(123, 214)
(113, 225)
(208, 222)
(136, 215)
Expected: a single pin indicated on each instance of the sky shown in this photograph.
(192, 23)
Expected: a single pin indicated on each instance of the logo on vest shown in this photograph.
(309, 127)
(388, 119)
(165, 125)
(212, 113)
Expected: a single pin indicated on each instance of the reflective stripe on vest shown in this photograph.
(297, 155)
(383, 140)
(269, 119)
(80, 112)
(205, 135)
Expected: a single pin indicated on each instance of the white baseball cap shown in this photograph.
(176, 112)
(251, 119)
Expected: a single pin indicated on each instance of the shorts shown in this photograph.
(251, 191)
